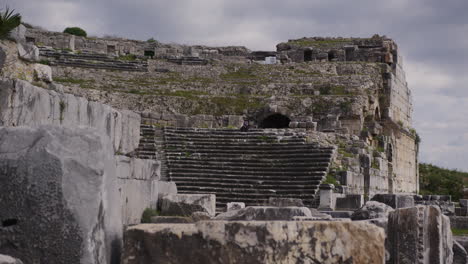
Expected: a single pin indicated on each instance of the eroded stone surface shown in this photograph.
(255, 242)
(59, 198)
(419, 234)
(186, 204)
(265, 213)
(22, 104)
(372, 210)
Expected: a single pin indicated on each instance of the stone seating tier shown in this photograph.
(247, 167)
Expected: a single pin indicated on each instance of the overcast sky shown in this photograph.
(432, 36)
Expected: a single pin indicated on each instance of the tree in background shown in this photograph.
(75, 31)
(8, 22)
(436, 180)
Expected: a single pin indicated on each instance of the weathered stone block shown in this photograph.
(43, 73)
(459, 222)
(464, 203)
(171, 219)
(265, 213)
(186, 204)
(372, 210)
(395, 200)
(262, 242)
(234, 206)
(419, 234)
(28, 51)
(460, 255)
(284, 202)
(351, 201)
(59, 196)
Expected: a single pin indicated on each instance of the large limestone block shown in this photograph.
(138, 181)
(262, 242)
(22, 104)
(459, 254)
(43, 73)
(186, 204)
(394, 200)
(59, 196)
(28, 51)
(419, 234)
(265, 213)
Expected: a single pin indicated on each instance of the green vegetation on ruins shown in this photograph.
(8, 22)
(77, 31)
(436, 180)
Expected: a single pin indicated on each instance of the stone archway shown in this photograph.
(275, 121)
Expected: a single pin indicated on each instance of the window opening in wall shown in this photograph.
(390, 153)
(331, 55)
(275, 121)
(9, 222)
(377, 114)
(30, 40)
(149, 53)
(110, 49)
(307, 55)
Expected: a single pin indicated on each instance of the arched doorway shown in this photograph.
(275, 121)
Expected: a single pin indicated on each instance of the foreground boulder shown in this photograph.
(419, 234)
(59, 198)
(263, 242)
(264, 213)
(186, 204)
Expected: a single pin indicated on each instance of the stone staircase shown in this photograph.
(245, 167)
(88, 60)
(151, 146)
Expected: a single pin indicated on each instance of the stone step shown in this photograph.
(246, 177)
(280, 185)
(240, 151)
(290, 161)
(222, 194)
(237, 136)
(234, 134)
(221, 179)
(235, 141)
(312, 167)
(258, 176)
(244, 156)
(249, 192)
(253, 163)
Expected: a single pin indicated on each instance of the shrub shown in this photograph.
(8, 22)
(75, 31)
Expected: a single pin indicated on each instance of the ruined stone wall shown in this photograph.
(48, 38)
(399, 95)
(405, 167)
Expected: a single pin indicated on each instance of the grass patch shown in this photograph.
(128, 57)
(148, 213)
(330, 179)
(459, 232)
(86, 84)
(266, 139)
(241, 73)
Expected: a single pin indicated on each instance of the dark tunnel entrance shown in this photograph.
(275, 121)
